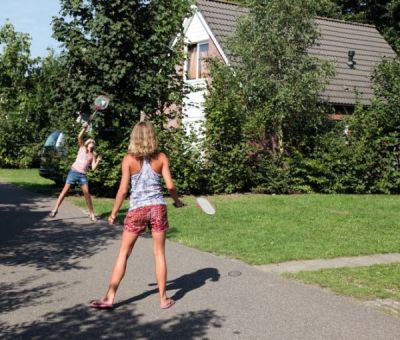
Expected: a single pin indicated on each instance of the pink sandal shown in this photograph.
(101, 304)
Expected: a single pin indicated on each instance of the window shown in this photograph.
(197, 61)
(52, 139)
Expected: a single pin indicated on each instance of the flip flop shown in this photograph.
(101, 305)
(169, 304)
(93, 218)
(53, 213)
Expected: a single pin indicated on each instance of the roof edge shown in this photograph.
(228, 2)
(354, 23)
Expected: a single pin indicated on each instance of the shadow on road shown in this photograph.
(80, 322)
(25, 292)
(183, 284)
(27, 238)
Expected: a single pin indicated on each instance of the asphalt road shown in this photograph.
(51, 269)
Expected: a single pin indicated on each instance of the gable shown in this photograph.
(221, 18)
(196, 32)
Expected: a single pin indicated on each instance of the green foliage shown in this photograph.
(280, 82)
(265, 106)
(224, 144)
(25, 99)
(367, 160)
(265, 126)
(121, 48)
(184, 152)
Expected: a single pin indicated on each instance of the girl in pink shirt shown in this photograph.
(77, 175)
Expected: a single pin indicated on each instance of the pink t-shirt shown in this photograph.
(83, 160)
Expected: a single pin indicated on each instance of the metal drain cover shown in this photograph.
(234, 273)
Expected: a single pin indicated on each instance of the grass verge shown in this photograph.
(367, 283)
(28, 179)
(261, 229)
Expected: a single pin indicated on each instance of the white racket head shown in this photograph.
(101, 102)
(205, 205)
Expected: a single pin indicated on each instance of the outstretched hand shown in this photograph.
(111, 220)
(179, 204)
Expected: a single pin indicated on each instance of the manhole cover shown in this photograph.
(234, 273)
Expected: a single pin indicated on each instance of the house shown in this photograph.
(355, 49)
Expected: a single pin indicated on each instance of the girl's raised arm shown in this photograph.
(81, 133)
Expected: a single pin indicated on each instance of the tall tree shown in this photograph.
(266, 103)
(280, 81)
(122, 48)
(25, 91)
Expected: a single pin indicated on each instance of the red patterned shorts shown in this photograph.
(152, 216)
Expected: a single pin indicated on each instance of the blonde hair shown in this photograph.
(144, 141)
(90, 140)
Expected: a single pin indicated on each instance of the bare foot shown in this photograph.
(167, 303)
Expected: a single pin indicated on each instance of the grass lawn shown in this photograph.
(28, 179)
(262, 229)
(367, 283)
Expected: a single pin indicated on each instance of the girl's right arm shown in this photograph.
(81, 133)
(122, 191)
(169, 183)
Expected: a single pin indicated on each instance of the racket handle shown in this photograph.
(91, 117)
(180, 205)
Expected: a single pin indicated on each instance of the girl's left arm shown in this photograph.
(95, 162)
(122, 191)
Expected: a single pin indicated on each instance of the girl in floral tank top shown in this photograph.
(142, 168)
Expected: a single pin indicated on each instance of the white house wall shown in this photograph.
(194, 102)
(196, 32)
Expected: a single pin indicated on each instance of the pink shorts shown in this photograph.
(152, 216)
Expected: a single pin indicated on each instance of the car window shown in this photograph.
(60, 141)
(52, 139)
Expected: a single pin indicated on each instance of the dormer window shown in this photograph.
(197, 61)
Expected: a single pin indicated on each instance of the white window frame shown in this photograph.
(198, 44)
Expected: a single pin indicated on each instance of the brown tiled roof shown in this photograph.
(337, 38)
(221, 17)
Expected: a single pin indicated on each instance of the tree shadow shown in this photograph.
(19, 294)
(183, 284)
(81, 322)
(28, 238)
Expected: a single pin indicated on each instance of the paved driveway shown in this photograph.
(51, 269)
